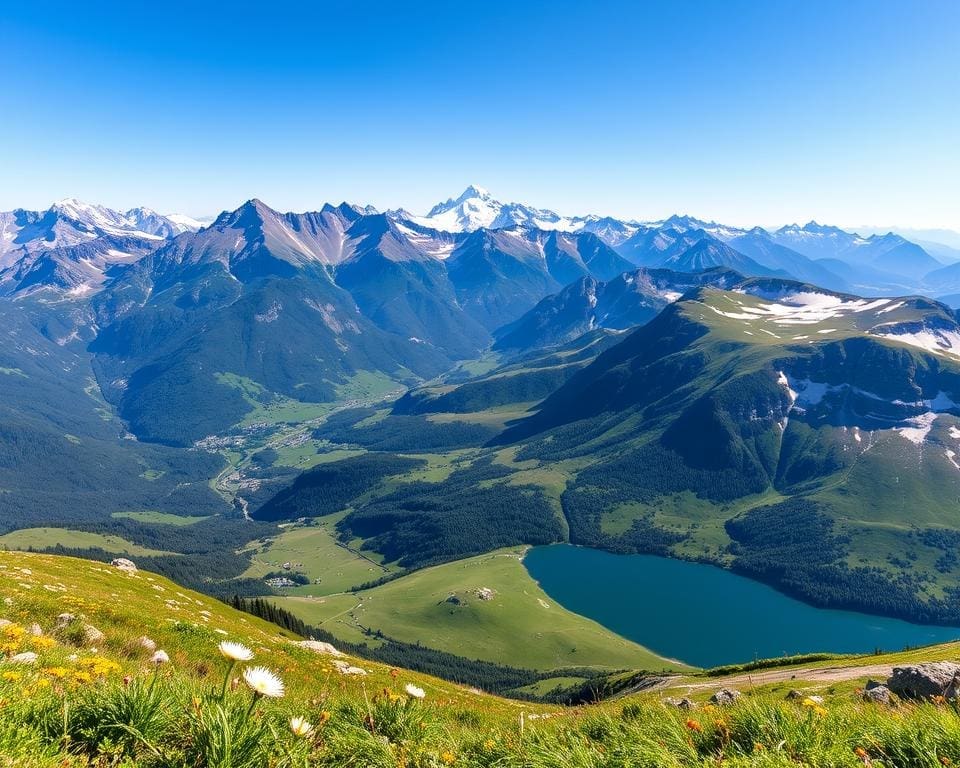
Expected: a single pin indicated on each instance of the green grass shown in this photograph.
(315, 552)
(520, 626)
(161, 518)
(365, 385)
(76, 708)
(43, 538)
(270, 408)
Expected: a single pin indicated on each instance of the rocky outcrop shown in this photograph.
(318, 647)
(725, 696)
(877, 693)
(923, 681)
(684, 703)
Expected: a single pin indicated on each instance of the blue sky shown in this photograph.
(746, 112)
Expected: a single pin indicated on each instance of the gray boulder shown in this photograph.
(923, 681)
(684, 703)
(725, 697)
(878, 693)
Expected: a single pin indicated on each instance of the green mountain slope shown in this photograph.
(802, 436)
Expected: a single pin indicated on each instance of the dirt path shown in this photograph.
(765, 676)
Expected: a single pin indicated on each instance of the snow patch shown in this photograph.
(919, 429)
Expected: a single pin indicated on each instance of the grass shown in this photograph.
(112, 707)
(316, 553)
(160, 518)
(44, 538)
(520, 625)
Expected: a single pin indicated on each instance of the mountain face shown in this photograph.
(300, 304)
(758, 245)
(475, 209)
(773, 407)
(889, 253)
(628, 300)
(73, 246)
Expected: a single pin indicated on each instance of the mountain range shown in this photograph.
(680, 387)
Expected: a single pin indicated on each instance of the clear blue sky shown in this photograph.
(747, 112)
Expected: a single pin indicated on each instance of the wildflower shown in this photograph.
(415, 691)
(263, 682)
(43, 643)
(57, 672)
(448, 758)
(160, 657)
(693, 725)
(861, 753)
(324, 717)
(300, 727)
(235, 651)
(11, 677)
(489, 744)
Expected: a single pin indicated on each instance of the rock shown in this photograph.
(318, 647)
(815, 699)
(346, 669)
(124, 564)
(683, 703)
(725, 697)
(878, 694)
(795, 695)
(64, 620)
(93, 635)
(5, 623)
(923, 681)
(35, 629)
(27, 657)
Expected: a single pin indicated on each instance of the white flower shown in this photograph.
(235, 651)
(160, 657)
(415, 691)
(300, 727)
(263, 682)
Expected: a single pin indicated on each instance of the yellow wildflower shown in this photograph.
(448, 758)
(57, 672)
(11, 677)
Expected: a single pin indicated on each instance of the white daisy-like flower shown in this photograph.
(414, 690)
(300, 727)
(235, 651)
(160, 657)
(263, 682)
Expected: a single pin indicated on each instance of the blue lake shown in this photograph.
(705, 615)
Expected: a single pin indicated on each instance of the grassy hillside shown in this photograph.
(111, 705)
(484, 607)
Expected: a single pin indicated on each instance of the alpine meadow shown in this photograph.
(322, 467)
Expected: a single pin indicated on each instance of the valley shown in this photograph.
(346, 413)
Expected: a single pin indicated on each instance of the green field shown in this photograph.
(162, 518)
(43, 538)
(315, 552)
(520, 625)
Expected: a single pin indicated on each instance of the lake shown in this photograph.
(707, 616)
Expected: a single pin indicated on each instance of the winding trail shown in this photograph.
(746, 680)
